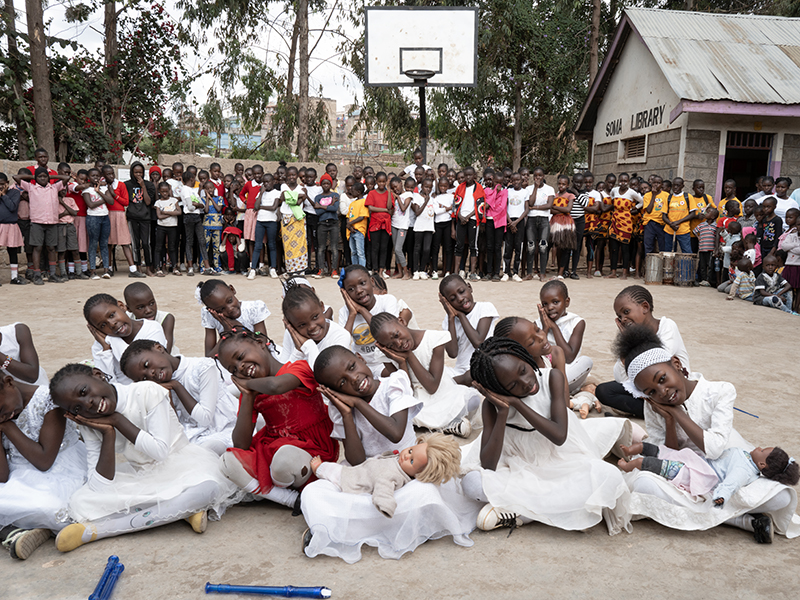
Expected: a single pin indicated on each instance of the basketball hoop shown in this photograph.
(419, 75)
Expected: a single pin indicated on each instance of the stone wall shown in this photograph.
(701, 159)
(662, 157)
(790, 165)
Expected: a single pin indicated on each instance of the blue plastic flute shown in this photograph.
(263, 590)
(112, 581)
(113, 561)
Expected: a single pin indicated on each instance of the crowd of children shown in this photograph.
(142, 435)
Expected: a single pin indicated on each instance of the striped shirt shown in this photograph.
(706, 233)
(579, 206)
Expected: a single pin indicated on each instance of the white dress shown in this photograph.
(212, 419)
(672, 341)
(10, 347)
(567, 486)
(309, 351)
(341, 523)
(32, 498)
(160, 316)
(108, 360)
(465, 347)
(449, 401)
(365, 344)
(253, 311)
(577, 370)
(711, 407)
(160, 466)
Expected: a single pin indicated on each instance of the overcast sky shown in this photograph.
(325, 67)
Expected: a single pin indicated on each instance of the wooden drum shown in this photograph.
(669, 267)
(685, 269)
(653, 269)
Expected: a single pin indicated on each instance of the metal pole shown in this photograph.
(423, 121)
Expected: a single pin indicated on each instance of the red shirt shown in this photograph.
(249, 193)
(120, 192)
(78, 198)
(379, 220)
(33, 168)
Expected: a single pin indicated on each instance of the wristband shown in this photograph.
(6, 362)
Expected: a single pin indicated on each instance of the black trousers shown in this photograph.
(380, 246)
(443, 240)
(494, 248)
(614, 395)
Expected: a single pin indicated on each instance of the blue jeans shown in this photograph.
(654, 234)
(97, 232)
(357, 248)
(271, 229)
(685, 242)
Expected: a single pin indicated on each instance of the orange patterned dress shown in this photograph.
(597, 225)
(621, 227)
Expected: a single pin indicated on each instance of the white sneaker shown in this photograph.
(490, 518)
(416, 276)
(517, 278)
(598, 274)
(251, 274)
(462, 274)
(504, 277)
(191, 272)
(435, 275)
(273, 273)
(423, 275)
(461, 429)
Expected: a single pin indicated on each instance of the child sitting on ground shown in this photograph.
(745, 281)
(771, 289)
(565, 330)
(435, 458)
(725, 475)
(141, 304)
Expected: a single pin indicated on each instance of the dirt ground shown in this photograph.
(755, 348)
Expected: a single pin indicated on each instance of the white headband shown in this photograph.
(646, 359)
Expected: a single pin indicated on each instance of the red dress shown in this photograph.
(298, 418)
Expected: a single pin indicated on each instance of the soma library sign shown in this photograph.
(643, 119)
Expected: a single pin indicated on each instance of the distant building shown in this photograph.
(697, 95)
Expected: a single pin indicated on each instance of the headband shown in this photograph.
(790, 461)
(646, 359)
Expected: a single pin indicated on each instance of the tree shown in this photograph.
(13, 77)
(211, 113)
(40, 74)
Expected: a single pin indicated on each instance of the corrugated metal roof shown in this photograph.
(705, 56)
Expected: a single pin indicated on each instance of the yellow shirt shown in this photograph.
(658, 207)
(678, 208)
(721, 207)
(700, 203)
(358, 209)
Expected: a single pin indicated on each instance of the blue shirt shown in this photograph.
(735, 469)
(331, 211)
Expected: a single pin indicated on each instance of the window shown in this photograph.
(634, 147)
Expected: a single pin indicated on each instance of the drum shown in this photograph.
(669, 267)
(685, 269)
(653, 269)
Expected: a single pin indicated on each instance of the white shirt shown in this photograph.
(253, 312)
(465, 347)
(401, 219)
(443, 207)
(633, 195)
(541, 194)
(516, 202)
(171, 205)
(174, 184)
(309, 351)
(411, 169)
(566, 324)
(468, 204)
(100, 211)
(108, 360)
(424, 220)
(188, 195)
(312, 192)
(365, 344)
(344, 203)
(267, 199)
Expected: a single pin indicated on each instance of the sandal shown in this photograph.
(177, 272)
(160, 274)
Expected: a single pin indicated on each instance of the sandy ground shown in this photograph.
(753, 347)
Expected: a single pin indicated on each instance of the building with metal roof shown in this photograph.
(697, 95)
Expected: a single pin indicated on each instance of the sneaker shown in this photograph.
(218, 270)
(763, 529)
(252, 274)
(335, 275)
(435, 275)
(191, 272)
(505, 277)
(136, 275)
(705, 284)
(447, 274)
(517, 278)
(496, 278)
(29, 274)
(567, 274)
(416, 276)
(386, 275)
(598, 274)
(461, 429)
(474, 277)
(37, 279)
(72, 275)
(107, 275)
(19, 281)
(574, 276)
(423, 275)
(462, 274)
(317, 274)
(198, 521)
(528, 277)
(84, 275)
(491, 518)
(273, 273)
(95, 276)
(306, 538)
(183, 268)
(22, 542)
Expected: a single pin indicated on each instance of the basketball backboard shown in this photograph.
(438, 39)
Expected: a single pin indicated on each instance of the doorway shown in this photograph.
(747, 155)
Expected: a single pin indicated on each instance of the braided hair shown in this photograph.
(63, 373)
(297, 295)
(135, 348)
(380, 321)
(95, 301)
(482, 367)
(505, 326)
(208, 287)
(379, 282)
(779, 468)
(638, 294)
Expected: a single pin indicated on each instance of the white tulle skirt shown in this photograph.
(567, 486)
(447, 404)
(32, 498)
(156, 482)
(341, 523)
